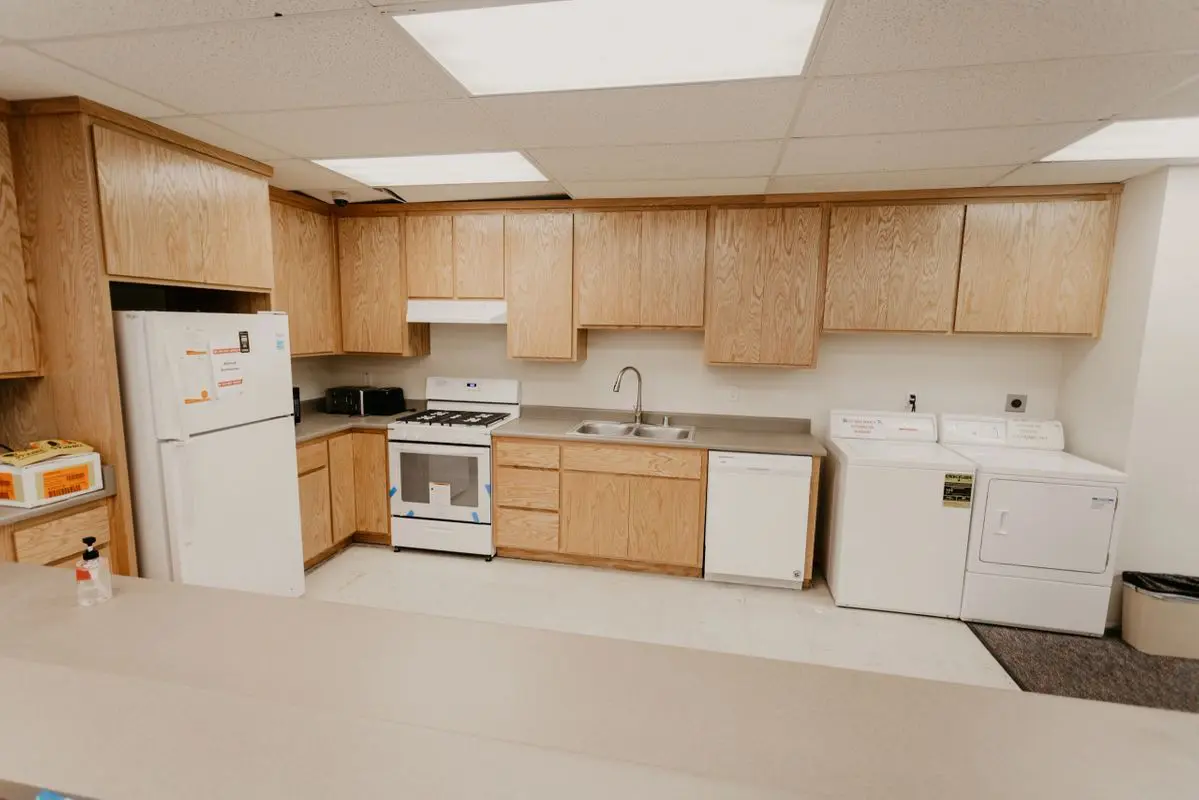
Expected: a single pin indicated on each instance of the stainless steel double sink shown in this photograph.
(633, 430)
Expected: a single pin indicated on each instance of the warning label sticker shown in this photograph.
(959, 487)
(65, 481)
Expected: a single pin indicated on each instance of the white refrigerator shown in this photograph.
(212, 451)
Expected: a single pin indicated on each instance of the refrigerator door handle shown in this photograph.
(178, 512)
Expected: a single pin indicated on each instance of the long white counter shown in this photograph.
(176, 691)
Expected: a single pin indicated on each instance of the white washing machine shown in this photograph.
(899, 514)
(1044, 526)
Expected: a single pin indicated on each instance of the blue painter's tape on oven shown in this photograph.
(474, 515)
(487, 486)
(410, 514)
(391, 492)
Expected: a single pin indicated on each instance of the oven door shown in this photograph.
(440, 481)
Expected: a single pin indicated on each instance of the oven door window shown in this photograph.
(450, 485)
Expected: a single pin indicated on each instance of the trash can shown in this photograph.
(1161, 614)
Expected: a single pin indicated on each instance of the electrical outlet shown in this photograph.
(1016, 403)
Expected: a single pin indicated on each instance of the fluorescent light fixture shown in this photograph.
(1133, 139)
(509, 167)
(590, 44)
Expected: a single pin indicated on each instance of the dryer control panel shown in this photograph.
(1030, 434)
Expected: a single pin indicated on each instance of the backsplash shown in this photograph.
(963, 374)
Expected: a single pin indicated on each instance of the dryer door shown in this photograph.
(1049, 525)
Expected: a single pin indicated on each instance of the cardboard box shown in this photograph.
(1161, 625)
(50, 481)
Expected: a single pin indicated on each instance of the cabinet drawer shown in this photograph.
(60, 538)
(633, 460)
(526, 488)
(513, 453)
(310, 457)
(529, 530)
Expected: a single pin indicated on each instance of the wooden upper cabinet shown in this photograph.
(169, 215)
(374, 300)
(18, 353)
(1035, 267)
(892, 268)
(539, 281)
(479, 256)
(429, 254)
(763, 293)
(641, 268)
(305, 256)
(455, 255)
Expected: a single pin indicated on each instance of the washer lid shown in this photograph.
(918, 455)
(1039, 463)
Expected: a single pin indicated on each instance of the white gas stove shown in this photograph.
(440, 464)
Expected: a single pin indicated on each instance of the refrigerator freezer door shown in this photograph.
(214, 371)
(233, 509)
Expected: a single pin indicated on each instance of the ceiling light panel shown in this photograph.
(589, 44)
(509, 167)
(1134, 139)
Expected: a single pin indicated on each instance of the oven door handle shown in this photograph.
(430, 449)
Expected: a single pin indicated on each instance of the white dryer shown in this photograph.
(1044, 526)
(899, 514)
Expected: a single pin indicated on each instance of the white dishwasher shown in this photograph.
(757, 527)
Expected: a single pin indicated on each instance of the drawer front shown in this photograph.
(60, 538)
(526, 488)
(658, 462)
(311, 456)
(524, 453)
(528, 530)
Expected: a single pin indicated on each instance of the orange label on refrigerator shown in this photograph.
(8, 489)
(65, 481)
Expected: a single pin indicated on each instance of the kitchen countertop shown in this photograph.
(200, 693)
(11, 516)
(712, 432)
(315, 424)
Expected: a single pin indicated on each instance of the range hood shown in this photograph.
(469, 312)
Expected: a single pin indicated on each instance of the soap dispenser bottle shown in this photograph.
(93, 578)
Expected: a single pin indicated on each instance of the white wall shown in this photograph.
(1161, 518)
(855, 370)
(1099, 377)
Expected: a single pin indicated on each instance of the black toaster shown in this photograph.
(365, 401)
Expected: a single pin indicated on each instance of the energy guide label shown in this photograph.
(958, 489)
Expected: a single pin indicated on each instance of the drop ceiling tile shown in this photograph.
(886, 181)
(206, 131)
(698, 187)
(868, 36)
(438, 126)
(25, 75)
(657, 162)
(296, 173)
(1079, 172)
(1182, 102)
(989, 96)
(45, 19)
(476, 191)
(306, 61)
(930, 150)
(716, 112)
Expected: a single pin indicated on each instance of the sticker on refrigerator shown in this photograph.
(439, 493)
(228, 365)
(195, 373)
(958, 489)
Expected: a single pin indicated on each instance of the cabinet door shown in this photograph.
(673, 252)
(19, 353)
(1034, 267)
(538, 265)
(371, 484)
(429, 254)
(315, 524)
(665, 521)
(341, 487)
(479, 256)
(763, 287)
(374, 302)
(170, 215)
(595, 514)
(893, 268)
(608, 267)
(306, 277)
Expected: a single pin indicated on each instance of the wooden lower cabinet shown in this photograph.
(56, 537)
(328, 473)
(632, 507)
(315, 521)
(342, 493)
(371, 483)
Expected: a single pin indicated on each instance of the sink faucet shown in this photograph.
(616, 388)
